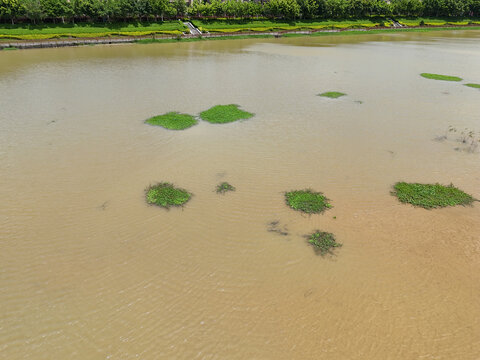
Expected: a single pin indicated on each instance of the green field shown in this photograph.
(222, 26)
(38, 32)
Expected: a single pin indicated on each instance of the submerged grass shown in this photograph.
(173, 121)
(430, 196)
(307, 201)
(224, 187)
(332, 94)
(166, 195)
(222, 114)
(323, 242)
(475, 86)
(440, 77)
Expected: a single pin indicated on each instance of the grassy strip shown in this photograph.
(52, 31)
(173, 121)
(39, 32)
(307, 201)
(222, 114)
(475, 86)
(440, 77)
(332, 94)
(166, 195)
(437, 21)
(323, 242)
(10, 48)
(224, 187)
(319, 33)
(430, 196)
(222, 26)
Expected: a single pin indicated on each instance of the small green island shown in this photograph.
(222, 114)
(475, 86)
(430, 196)
(166, 195)
(307, 201)
(332, 94)
(323, 242)
(440, 77)
(224, 187)
(173, 121)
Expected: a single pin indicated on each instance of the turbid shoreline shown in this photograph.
(50, 43)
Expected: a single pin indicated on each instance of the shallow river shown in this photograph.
(89, 271)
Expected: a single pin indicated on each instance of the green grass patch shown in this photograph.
(51, 31)
(264, 25)
(440, 77)
(224, 187)
(10, 48)
(222, 114)
(332, 94)
(475, 86)
(307, 201)
(323, 242)
(166, 195)
(173, 121)
(429, 21)
(430, 196)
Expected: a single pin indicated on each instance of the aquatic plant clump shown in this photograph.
(323, 242)
(224, 187)
(307, 201)
(440, 77)
(166, 195)
(430, 196)
(222, 114)
(332, 94)
(475, 86)
(173, 121)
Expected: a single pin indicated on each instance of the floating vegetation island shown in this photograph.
(224, 187)
(323, 242)
(440, 77)
(173, 121)
(166, 195)
(332, 94)
(430, 196)
(307, 201)
(475, 86)
(221, 114)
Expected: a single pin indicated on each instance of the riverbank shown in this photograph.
(163, 38)
(90, 30)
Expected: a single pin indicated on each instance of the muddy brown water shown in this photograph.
(89, 271)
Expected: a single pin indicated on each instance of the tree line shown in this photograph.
(36, 11)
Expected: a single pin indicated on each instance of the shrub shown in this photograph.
(440, 77)
(224, 187)
(307, 201)
(166, 195)
(332, 94)
(173, 121)
(222, 114)
(430, 196)
(323, 242)
(475, 86)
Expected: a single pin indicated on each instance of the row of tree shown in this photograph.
(128, 10)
